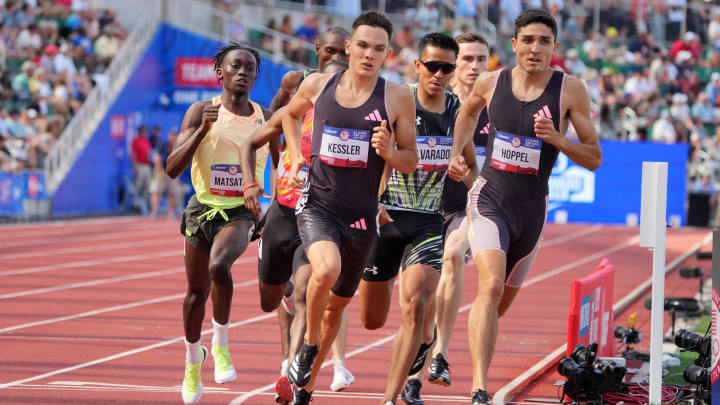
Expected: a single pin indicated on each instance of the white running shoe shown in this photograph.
(342, 378)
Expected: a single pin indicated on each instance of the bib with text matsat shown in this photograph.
(226, 180)
(345, 147)
(434, 153)
(516, 154)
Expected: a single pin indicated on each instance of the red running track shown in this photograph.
(91, 313)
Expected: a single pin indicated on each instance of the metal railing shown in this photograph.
(208, 21)
(81, 128)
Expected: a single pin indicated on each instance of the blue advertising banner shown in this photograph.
(611, 194)
(21, 192)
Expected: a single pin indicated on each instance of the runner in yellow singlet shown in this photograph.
(216, 224)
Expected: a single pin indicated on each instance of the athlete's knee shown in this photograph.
(325, 275)
(372, 320)
(220, 273)
(270, 296)
(196, 297)
(491, 288)
(453, 260)
(413, 310)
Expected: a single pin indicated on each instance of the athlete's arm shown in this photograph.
(301, 103)
(466, 122)
(196, 123)
(468, 154)
(268, 132)
(287, 89)
(587, 152)
(403, 159)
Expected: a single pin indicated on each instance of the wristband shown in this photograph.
(249, 185)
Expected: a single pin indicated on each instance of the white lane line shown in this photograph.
(93, 262)
(570, 236)
(111, 309)
(125, 234)
(130, 352)
(109, 280)
(513, 387)
(242, 398)
(84, 249)
(79, 222)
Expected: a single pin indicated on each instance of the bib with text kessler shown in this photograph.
(516, 154)
(345, 147)
(480, 154)
(226, 180)
(434, 153)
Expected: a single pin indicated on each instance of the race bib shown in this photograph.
(434, 153)
(226, 180)
(344, 147)
(516, 154)
(480, 154)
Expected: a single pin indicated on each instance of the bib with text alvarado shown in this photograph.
(516, 154)
(433, 153)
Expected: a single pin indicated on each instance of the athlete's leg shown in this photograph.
(509, 294)
(483, 320)
(428, 336)
(375, 298)
(284, 321)
(450, 287)
(297, 329)
(325, 262)
(228, 245)
(198, 279)
(418, 284)
(342, 377)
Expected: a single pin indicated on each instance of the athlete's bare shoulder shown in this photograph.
(313, 84)
(397, 92)
(291, 80)
(193, 115)
(486, 82)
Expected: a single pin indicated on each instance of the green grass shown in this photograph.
(675, 374)
(702, 327)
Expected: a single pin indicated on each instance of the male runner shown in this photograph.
(216, 224)
(281, 253)
(358, 119)
(529, 107)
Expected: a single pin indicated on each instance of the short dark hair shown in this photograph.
(536, 15)
(470, 37)
(438, 40)
(337, 31)
(374, 19)
(222, 51)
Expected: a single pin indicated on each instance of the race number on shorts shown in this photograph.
(345, 147)
(516, 154)
(226, 180)
(434, 153)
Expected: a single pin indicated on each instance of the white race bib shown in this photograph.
(480, 154)
(345, 147)
(434, 153)
(226, 180)
(517, 154)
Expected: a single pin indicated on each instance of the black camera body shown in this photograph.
(628, 336)
(589, 378)
(697, 374)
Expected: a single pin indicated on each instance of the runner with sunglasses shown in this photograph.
(529, 107)
(411, 227)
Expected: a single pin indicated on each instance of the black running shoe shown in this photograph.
(419, 361)
(301, 367)
(411, 392)
(480, 397)
(301, 397)
(439, 371)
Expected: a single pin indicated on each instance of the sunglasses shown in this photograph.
(433, 66)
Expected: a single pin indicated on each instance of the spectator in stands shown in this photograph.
(680, 111)
(427, 18)
(141, 165)
(309, 30)
(162, 184)
(6, 160)
(29, 38)
(663, 130)
(21, 81)
(703, 110)
(156, 137)
(689, 42)
(714, 29)
(63, 61)
(712, 89)
(80, 39)
(575, 64)
(106, 46)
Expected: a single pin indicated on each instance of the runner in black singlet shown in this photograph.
(354, 133)
(528, 107)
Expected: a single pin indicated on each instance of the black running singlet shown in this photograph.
(454, 196)
(518, 163)
(345, 170)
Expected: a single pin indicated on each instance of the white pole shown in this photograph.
(652, 235)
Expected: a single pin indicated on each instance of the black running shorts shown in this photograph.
(200, 232)
(412, 238)
(279, 245)
(503, 223)
(352, 234)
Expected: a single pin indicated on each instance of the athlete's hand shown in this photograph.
(545, 130)
(381, 141)
(298, 162)
(383, 216)
(252, 200)
(209, 116)
(458, 169)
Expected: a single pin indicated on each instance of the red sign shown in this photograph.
(591, 311)
(117, 126)
(195, 72)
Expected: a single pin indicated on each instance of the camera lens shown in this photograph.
(619, 332)
(687, 340)
(583, 355)
(697, 375)
(568, 368)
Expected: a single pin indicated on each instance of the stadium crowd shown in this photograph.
(52, 54)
